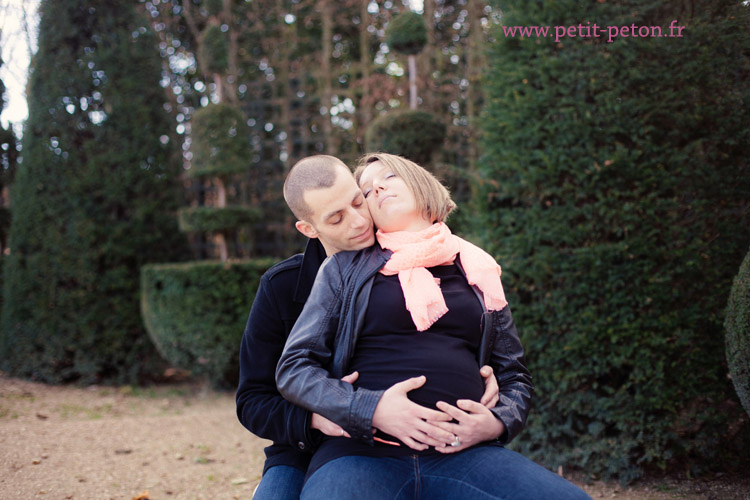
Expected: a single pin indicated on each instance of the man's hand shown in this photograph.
(491, 390)
(476, 423)
(396, 415)
(326, 426)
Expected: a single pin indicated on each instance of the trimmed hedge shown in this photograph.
(406, 33)
(616, 180)
(737, 327)
(195, 313)
(413, 134)
(221, 141)
(95, 200)
(215, 49)
(217, 219)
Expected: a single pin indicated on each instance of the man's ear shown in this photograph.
(306, 228)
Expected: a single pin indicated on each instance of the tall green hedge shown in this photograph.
(616, 183)
(94, 199)
(195, 313)
(737, 326)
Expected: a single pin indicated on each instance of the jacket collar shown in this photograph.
(313, 257)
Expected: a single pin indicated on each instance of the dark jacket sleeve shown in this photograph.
(513, 378)
(303, 375)
(260, 407)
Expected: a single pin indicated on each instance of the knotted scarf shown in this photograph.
(413, 252)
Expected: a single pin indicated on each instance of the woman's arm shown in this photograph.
(302, 374)
(513, 377)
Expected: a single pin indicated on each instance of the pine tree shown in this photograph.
(95, 199)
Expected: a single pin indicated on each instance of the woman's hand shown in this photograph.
(491, 390)
(400, 417)
(476, 423)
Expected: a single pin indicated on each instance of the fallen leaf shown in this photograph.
(239, 480)
(142, 496)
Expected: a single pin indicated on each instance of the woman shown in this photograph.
(381, 312)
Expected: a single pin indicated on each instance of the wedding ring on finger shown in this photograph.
(456, 442)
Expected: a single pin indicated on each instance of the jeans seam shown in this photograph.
(417, 477)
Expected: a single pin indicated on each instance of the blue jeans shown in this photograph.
(282, 482)
(480, 473)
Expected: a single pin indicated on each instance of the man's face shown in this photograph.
(340, 218)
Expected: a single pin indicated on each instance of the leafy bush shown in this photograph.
(96, 199)
(737, 325)
(215, 49)
(407, 33)
(220, 141)
(217, 219)
(413, 134)
(616, 178)
(195, 313)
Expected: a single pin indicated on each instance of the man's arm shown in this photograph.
(260, 407)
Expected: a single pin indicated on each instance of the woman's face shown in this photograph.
(391, 202)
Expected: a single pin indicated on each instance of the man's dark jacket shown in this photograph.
(281, 295)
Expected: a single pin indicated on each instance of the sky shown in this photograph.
(15, 52)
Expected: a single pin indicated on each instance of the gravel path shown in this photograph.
(180, 441)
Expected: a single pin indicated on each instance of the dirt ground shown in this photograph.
(178, 441)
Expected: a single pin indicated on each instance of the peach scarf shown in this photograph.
(413, 252)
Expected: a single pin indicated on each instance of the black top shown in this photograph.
(281, 295)
(391, 350)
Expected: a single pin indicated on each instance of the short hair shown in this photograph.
(431, 196)
(313, 172)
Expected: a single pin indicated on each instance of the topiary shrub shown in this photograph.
(737, 325)
(195, 313)
(413, 134)
(214, 49)
(221, 141)
(406, 33)
(217, 219)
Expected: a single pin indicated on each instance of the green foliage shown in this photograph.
(215, 49)
(416, 135)
(737, 325)
(407, 33)
(4, 225)
(617, 181)
(214, 7)
(95, 199)
(221, 141)
(196, 312)
(217, 219)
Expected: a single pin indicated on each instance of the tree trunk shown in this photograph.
(325, 72)
(412, 81)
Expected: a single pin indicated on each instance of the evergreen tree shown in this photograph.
(617, 178)
(94, 200)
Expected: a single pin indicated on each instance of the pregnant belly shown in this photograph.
(452, 374)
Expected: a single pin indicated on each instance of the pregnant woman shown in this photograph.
(420, 303)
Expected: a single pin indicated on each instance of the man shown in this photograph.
(330, 209)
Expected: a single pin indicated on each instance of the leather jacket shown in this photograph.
(319, 348)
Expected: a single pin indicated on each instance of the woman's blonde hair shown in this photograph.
(431, 196)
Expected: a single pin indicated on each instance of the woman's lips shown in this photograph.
(380, 203)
